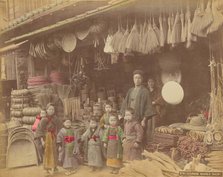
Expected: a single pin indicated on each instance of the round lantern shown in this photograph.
(172, 93)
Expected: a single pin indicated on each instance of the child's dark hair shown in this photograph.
(94, 118)
(114, 114)
(108, 103)
(131, 110)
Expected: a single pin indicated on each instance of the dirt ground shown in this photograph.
(37, 171)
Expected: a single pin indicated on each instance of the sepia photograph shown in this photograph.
(111, 88)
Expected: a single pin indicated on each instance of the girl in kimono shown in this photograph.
(46, 132)
(113, 142)
(132, 139)
(67, 139)
(93, 138)
(104, 121)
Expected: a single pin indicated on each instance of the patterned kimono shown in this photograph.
(47, 128)
(94, 152)
(113, 138)
(133, 132)
(68, 138)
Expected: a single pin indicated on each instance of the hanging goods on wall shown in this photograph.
(172, 93)
(69, 42)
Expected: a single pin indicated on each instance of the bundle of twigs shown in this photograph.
(72, 107)
(63, 91)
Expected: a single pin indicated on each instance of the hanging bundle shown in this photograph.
(132, 44)
(108, 47)
(152, 42)
(202, 20)
(123, 41)
(176, 31)
(140, 37)
(144, 38)
(156, 30)
(117, 39)
(188, 26)
(217, 16)
(169, 33)
(162, 37)
(165, 28)
(183, 27)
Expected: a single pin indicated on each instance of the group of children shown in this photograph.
(105, 141)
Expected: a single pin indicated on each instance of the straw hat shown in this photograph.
(69, 42)
(195, 123)
(82, 33)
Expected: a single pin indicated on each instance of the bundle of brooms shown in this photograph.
(155, 165)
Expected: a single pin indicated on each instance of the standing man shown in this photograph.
(138, 98)
(157, 102)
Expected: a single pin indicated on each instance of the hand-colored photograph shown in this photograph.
(111, 88)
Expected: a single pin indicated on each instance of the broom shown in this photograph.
(63, 92)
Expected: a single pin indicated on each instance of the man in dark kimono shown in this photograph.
(138, 98)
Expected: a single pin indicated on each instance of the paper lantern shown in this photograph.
(172, 93)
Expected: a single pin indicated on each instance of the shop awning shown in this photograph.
(111, 5)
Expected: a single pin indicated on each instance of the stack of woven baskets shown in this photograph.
(20, 99)
(29, 115)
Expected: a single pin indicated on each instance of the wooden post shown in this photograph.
(17, 74)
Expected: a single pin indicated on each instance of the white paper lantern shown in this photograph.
(172, 93)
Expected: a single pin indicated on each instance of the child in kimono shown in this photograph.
(67, 139)
(93, 138)
(112, 139)
(132, 139)
(104, 121)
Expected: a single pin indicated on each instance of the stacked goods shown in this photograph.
(3, 144)
(161, 165)
(190, 148)
(57, 77)
(215, 159)
(37, 81)
(29, 115)
(20, 99)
